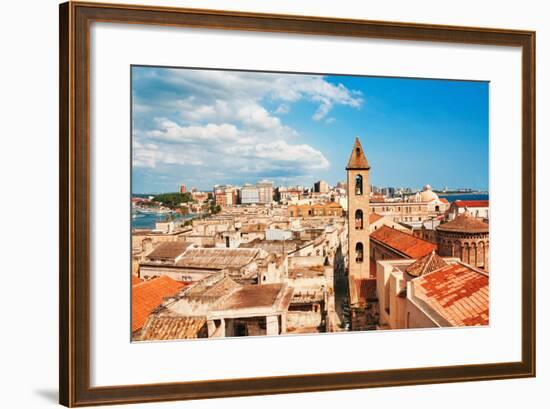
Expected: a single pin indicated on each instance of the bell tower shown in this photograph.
(358, 213)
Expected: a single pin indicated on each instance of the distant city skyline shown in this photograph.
(206, 127)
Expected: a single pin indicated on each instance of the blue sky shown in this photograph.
(206, 127)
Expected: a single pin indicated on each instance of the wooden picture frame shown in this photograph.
(74, 195)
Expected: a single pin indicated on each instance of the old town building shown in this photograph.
(358, 239)
(467, 238)
(330, 209)
(431, 292)
(388, 244)
(414, 209)
(478, 208)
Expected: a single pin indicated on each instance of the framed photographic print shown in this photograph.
(261, 204)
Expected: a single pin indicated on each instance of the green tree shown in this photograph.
(173, 200)
(215, 209)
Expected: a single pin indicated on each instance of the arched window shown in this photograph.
(482, 254)
(359, 253)
(457, 250)
(358, 219)
(358, 185)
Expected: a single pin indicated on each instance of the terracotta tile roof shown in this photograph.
(273, 246)
(444, 200)
(217, 258)
(465, 222)
(170, 326)
(357, 159)
(407, 244)
(148, 295)
(471, 203)
(457, 293)
(374, 217)
(213, 291)
(427, 264)
(169, 250)
(135, 280)
(253, 295)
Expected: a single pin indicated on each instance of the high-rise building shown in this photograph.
(183, 189)
(265, 191)
(342, 184)
(225, 195)
(249, 194)
(320, 187)
(281, 194)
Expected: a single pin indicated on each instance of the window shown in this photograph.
(358, 219)
(358, 185)
(359, 253)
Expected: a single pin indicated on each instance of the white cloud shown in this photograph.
(236, 86)
(282, 152)
(169, 131)
(214, 124)
(282, 109)
(222, 145)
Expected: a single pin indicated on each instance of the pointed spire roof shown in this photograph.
(425, 265)
(358, 160)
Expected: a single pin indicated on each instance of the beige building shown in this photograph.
(413, 210)
(358, 213)
(431, 292)
(265, 191)
(478, 208)
(218, 307)
(321, 187)
(362, 306)
(194, 264)
(327, 209)
(377, 220)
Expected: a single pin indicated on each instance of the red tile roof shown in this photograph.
(465, 222)
(135, 280)
(171, 326)
(471, 203)
(425, 265)
(411, 246)
(457, 293)
(148, 295)
(374, 217)
(444, 200)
